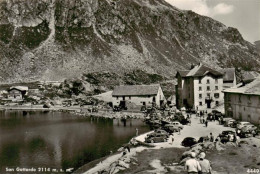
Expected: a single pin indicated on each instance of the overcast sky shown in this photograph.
(241, 14)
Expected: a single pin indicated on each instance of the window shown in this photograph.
(200, 103)
(207, 81)
(200, 88)
(240, 116)
(217, 103)
(208, 94)
(249, 118)
(208, 88)
(216, 95)
(199, 81)
(200, 95)
(228, 97)
(249, 99)
(216, 81)
(216, 87)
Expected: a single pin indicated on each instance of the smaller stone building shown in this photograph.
(17, 93)
(243, 101)
(139, 95)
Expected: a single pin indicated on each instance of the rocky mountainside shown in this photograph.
(257, 44)
(58, 39)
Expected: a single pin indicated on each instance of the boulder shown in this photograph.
(183, 161)
(123, 164)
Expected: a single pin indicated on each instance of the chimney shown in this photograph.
(192, 66)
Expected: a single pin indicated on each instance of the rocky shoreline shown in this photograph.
(83, 112)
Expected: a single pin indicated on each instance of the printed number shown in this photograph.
(253, 171)
(44, 169)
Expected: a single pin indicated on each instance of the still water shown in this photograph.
(59, 140)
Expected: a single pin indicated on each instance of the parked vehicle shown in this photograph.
(159, 131)
(215, 111)
(242, 124)
(203, 139)
(170, 128)
(177, 124)
(248, 131)
(234, 124)
(156, 139)
(227, 136)
(188, 142)
(229, 122)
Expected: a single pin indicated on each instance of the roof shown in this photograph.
(252, 88)
(20, 88)
(202, 70)
(136, 90)
(199, 71)
(229, 74)
(183, 73)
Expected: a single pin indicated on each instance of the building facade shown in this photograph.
(229, 77)
(243, 102)
(17, 93)
(199, 88)
(138, 95)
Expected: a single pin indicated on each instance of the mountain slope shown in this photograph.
(57, 39)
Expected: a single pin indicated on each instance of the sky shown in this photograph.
(241, 14)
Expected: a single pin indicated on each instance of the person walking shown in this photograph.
(204, 164)
(206, 123)
(211, 137)
(179, 130)
(192, 166)
(171, 139)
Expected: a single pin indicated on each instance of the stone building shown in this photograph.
(229, 77)
(17, 93)
(199, 88)
(243, 101)
(138, 95)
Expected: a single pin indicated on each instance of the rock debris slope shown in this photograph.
(58, 39)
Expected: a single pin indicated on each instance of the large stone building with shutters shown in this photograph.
(243, 101)
(199, 88)
(138, 95)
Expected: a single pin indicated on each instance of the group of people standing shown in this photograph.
(198, 165)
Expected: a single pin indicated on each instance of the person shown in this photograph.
(211, 137)
(201, 121)
(204, 164)
(217, 140)
(206, 123)
(136, 131)
(192, 165)
(189, 121)
(179, 130)
(171, 139)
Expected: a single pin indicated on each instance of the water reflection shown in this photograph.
(37, 139)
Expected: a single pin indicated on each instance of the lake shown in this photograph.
(59, 140)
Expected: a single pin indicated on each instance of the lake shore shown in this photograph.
(81, 111)
(166, 156)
